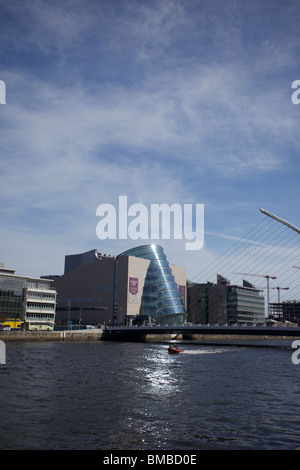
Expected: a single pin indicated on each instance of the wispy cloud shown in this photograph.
(165, 101)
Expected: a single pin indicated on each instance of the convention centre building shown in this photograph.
(136, 286)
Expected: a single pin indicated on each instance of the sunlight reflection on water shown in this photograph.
(138, 396)
(158, 372)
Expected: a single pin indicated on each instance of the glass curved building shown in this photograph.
(161, 298)
(138, 286)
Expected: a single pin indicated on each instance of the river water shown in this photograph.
(132, 396)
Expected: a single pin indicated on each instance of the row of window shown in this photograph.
(34, 316)
(40, 295)
(105, 287)
(81, 299)
(40, 306)
(246, 291)
(38, 285)
(246, 303)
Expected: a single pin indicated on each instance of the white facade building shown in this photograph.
(40, 303)
(26, 302)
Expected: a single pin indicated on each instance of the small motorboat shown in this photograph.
(174, 350)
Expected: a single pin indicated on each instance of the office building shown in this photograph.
(26, 302)
(288, 311)
(139, 285)
(225, 304)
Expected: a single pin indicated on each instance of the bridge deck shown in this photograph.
(272, 331)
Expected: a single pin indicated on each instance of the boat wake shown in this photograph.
(203, 351)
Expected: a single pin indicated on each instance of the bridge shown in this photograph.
(140, 333)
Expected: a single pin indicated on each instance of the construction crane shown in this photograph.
(268, 285)
(278, 289)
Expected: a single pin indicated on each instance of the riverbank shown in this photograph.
(98, 334)
(95, 334)
(65, 335)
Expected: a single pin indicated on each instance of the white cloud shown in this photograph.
(152, 101)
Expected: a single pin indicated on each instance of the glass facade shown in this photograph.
(11, 298)
(161, 298)
(198, 303)
(245, 306)
(27, 301)
(224, 304)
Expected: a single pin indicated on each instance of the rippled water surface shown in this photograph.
(111, 395)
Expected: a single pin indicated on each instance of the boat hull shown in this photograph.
(173, 350)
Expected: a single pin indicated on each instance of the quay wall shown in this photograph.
(228, 337)
(66, 335)
(133, 335)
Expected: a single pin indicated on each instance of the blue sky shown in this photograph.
(163, 101)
